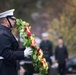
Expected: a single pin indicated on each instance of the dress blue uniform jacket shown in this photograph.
(61, 54)
(9, 51)
(46, 47)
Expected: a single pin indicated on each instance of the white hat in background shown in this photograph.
(44, 34)
(7, 13)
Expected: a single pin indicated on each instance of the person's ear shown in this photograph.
(5, 20)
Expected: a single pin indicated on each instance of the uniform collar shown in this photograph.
(4, 27)
(45, 40)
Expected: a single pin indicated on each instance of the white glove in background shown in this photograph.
(27, 51)
(52, 58)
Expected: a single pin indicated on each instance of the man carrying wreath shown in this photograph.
(9, 47)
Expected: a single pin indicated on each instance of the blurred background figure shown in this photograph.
(46, 46)
(61, 56)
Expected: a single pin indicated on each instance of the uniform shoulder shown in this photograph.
(64, 46)
(42, 41)
(56, 46)
(50, 41)
(3, 32)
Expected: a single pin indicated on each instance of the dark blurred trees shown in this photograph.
(23, 7)
(63, 23)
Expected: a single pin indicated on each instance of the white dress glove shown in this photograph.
(27, 51)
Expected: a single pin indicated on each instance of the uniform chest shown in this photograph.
(13, 41)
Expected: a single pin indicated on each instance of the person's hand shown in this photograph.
(52, 58)
(27, 51)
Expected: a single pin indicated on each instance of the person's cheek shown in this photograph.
(14, 21)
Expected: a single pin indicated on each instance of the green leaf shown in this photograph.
(34, 56)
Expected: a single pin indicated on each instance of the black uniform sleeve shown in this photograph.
(51, 49)
(40, 45)
(56, 53)
(22, 48)
(66, 52)
(6, 50)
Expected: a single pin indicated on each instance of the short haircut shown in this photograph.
(61, 38)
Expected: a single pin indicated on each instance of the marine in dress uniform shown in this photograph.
(9, 47)
(46, 47)
(61, 56)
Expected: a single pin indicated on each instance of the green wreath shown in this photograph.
(38, 60)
